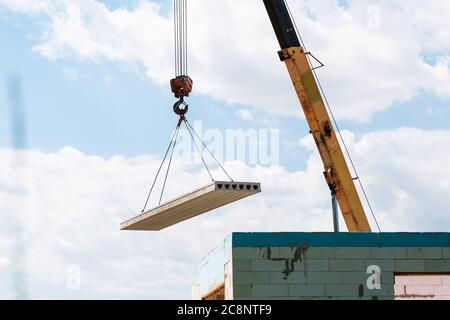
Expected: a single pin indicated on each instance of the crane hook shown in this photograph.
(179, 111)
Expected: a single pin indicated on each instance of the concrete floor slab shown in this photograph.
(195, 203)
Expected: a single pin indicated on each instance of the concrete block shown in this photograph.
(399, 289)
(273, 253)
(286, 252)
(300, 298)
(269, 290)
(423, 280)
(242, 290)
(251, 278)
(347, 265)
(361, 277)
(424, 253)
(446, 280)
(300, 266)
(420, 290)
(241, 265)
(292, 278)
(388, 253)
(386, 298)
(437, 265)
(404, 280)
(442, 290)
(323, 277)
(387, 290)
(249, 253)
(342, 290)
(354, 298)
(315, 265)
(387, 278)
(251, 298)
(307, 290)
(308, 298)
(268, 265)
(193, 204)
(385, 265)
(320, 253)
(295, 252)
(416, 298)
(354, 277)
(352, 253)
(409, 265)
(446, 253)
(265, 253)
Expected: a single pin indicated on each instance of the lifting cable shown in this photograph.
(181, 86)
(188, 125)
(180, 32)
(171, 149)
(335, 122)
(175, 134)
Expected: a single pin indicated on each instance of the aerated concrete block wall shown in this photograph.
(265, 266)
(409, 287)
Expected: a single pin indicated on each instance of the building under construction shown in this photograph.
(308, 266)
(355, 265)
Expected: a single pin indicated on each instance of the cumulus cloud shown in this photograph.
(245, 114)
(5, 243)
(375, 56)
(68, 206)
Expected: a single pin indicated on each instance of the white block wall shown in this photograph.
(327, 273)
(420, 287)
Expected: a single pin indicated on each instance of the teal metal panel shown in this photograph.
(341, 239)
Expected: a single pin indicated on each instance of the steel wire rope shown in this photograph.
(335, 121)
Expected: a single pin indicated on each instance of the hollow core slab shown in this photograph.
(210, 197)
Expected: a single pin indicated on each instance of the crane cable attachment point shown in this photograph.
(182, 84)
(195, 137)
(193, 204)
(181, 87)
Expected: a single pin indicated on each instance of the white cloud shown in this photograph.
(70, 74)
(5, 244)
(26, 6)
(233, 48)
(69, 205)
(4, 262)
(245, 114)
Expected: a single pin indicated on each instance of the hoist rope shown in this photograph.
(175, 27)
(180, 28)
(207, 149)
(199, 152)
(171, 150)
(335, 121)
(162, 164)
(170, 162)
(180, 43)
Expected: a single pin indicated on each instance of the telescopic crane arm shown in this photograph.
(337, 173)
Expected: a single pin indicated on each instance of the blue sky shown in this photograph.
(120, 110)
(98, 114)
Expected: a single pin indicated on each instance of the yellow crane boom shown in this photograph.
(337, 173)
